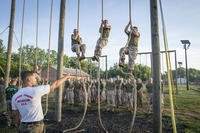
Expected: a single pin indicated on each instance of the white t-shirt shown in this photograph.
(28, 101)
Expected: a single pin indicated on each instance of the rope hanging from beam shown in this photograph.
(36, 37)
(48, 60)
(21, 43)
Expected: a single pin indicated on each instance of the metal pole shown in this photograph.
(176, 75)
(58, 92)
(10, 41)
(157, 117)
(186, 66)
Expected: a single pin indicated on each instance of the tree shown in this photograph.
(2, 59)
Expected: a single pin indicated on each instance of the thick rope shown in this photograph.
(78, 15)
(48, 60)
(36, 37)
(168, 70)
(99, 100)
(130, 12)
(21, 44)
(135, 108)
(85, 105)
(102, 9)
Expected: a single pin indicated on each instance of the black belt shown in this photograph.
(34, 122)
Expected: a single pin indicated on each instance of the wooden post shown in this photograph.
(58, 92)
(10, 42)
(157, 117)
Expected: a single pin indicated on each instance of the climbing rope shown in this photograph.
(102, 10)
(85, 105)
(48, 60)
(168, 70)
(99, 99)
(135, 107)
(78, 15)
(21, 43)
(36, 37)
(130, 7)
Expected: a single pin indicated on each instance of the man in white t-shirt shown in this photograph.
(27, 102)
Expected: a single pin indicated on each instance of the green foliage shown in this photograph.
(140, 71)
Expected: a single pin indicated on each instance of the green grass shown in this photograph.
(187, 111)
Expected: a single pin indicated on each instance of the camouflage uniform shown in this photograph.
(77, 87)
(31, 128)
(77, 45)
(102, 41)
(149, 87)
(139, 92)
(110, 87)
(118, 85)
(93, 92)
(10, 91)
(70, 93)
(6, 118)
(88, 85)
(131, 50)
(129, 91)
(65, 91)
(103, 89)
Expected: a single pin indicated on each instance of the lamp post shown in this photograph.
(180, 64)
(186, 45)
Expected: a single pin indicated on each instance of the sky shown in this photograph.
(182, 19)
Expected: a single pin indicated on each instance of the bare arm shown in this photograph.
(126, 29)
(57, 83)
(101, 28)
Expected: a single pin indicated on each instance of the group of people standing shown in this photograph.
(116, 92)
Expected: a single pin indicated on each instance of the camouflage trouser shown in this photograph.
(89, 95)
(79, 48)
(94, 95)
(9, 111)
(64, 96)
(131, 51)
(118, 97)
(70, 96)
(129, 99)
(101, 43)
(139, 97)
(31, 128)
(149, 101)
(76, 95)
(111, 98)
(103, 96)
(123, 51)
(81, 96)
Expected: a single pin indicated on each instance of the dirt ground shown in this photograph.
(114, 122)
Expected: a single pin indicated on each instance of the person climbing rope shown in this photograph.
(77, 45)
(132, 48)
(103, 40)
